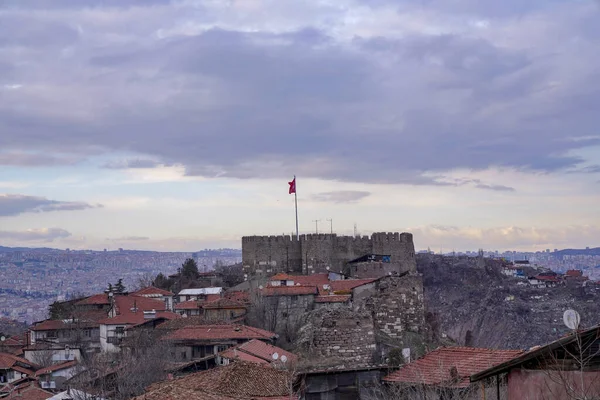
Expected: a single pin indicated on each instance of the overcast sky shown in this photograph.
(176, 125)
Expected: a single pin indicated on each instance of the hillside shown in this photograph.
(479, 306)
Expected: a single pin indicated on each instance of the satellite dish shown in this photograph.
(2, 338)
(283, 358)
(327, 268)
(571, 319)
(261, 287)
(275, 356)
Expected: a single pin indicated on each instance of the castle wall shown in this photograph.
(318, 253)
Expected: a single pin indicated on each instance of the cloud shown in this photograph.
(22, 159)
(377, 91)
(341, 196)
(590, 169)
(15, 204)
(504, 238)
(134, 164)
(35, 235)
(498, 188)
(130, 239)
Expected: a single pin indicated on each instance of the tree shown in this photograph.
(189, 269)
(119, 287)
(162, 282)
(110, 287)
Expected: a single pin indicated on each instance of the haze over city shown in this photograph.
(176, 126)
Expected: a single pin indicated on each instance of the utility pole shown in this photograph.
(316, 221)
(330, 224)
(355, 229)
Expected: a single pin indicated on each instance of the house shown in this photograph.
(514, 271)
(224, 310)
(193, 307)
(45, 353)
(238, 380)
(76, 332)
(564, 369)
(446, 372)
(74, 394)
(158, 294)
(199, 341)
(258, 351)
(127, 311)
(14, 368)
(27, 390)
(54, 376)
(198, 293)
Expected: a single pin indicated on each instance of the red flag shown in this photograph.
(292, 186)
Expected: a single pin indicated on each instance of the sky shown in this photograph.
(176, 125)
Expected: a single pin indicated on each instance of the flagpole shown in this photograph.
(296, 203)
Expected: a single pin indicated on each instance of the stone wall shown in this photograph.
(396, 303)
(267, 255)
(340, 338)
(376, 269)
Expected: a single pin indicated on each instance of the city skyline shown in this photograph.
(175, 126)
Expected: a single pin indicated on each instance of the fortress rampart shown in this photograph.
(316, 253)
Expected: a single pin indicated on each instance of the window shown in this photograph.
(51, 334)
(221, 348)
(119, 330)
(183, 355)
(294, 299)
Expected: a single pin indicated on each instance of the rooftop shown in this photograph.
(219, 332)
(450, 366)
(239, 380)
(199, 291)
(151, 291)
(289, 290)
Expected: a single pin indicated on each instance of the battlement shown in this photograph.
(272, 239)
(314, 253)
(392, 236)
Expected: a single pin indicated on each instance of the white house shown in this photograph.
(158, 294)
(199, 293)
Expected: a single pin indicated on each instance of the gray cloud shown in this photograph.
(498, 188)
(341, 196)
(133, 164)
(236, 102)
(15, 204)
(35, 235)
(20, 159)
(591, 169)
(130, 239)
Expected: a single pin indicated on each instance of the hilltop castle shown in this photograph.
(318, 253)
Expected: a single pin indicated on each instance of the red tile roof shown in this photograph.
(349, 284)
(281, 277)
(238, 295)
(574, 272)
(56, 367)
(10, 361)
(134, 318)
(101, 298)
(189, 305)
(288, 290)
(239, 380)
(316, 280)
(223, 303)
(435, 367)
(55, 324)
(340, 298)
(151, 290)
(234, 354)
(265, 351)
(219, 332)
(29, 391)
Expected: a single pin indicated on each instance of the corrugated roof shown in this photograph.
(234, 354)
(435, 368)
(265, 351)
(199, 291)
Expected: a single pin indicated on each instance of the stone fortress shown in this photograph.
(320, 253)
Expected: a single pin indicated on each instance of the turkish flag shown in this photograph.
(292, 186)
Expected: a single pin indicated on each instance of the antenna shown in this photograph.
(355, 229)
(330, 224)
(316, 221)
(571, 319)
